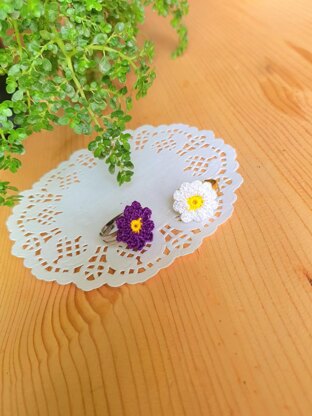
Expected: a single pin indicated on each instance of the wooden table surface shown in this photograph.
(226, 330)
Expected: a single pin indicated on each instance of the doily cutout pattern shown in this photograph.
(55, 228)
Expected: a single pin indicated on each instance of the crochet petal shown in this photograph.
(146, 214)
(128, 212)
(136, 205)
(148, 225)
(178, 195)
(207, 186)
(201, 215)
(187, 216)
(180, 206)
(121, 222)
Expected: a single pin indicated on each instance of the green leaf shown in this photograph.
(11, 87)
(62, 121)
(32, 9)
(6, 112)
(46, 65)
(3, 14)
(52, 11)
(98, 152)
(15, 164)
(120, 27)
(18, 95)
(99, 39)
(18, 148)
(129, 165)
(92, 146)
(104, 65)
(94, 4)
(126, 146)
(15, 69)
(45, 34)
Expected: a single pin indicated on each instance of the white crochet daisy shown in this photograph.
(195, 201)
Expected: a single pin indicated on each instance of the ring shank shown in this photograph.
(214, 183)
(107, 233)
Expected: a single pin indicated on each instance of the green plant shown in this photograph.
(67, 62)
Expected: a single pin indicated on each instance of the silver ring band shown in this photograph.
(107, 234)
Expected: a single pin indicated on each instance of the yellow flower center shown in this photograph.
(194, 202)
(136, 225)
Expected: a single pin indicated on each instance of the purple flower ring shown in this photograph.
(134, 227)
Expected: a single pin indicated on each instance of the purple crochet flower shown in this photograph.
(135, 227)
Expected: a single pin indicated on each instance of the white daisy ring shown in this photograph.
(195, 201)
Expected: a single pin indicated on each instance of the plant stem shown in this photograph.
(60, 42)
(18, 36)
(108, 49)
(20, 48)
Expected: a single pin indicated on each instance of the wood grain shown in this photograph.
(227, 330)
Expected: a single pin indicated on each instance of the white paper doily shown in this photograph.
(56, 226)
